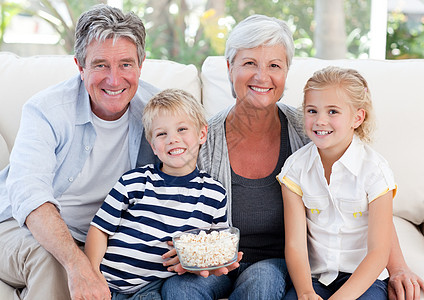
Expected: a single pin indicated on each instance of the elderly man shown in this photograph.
(75, 140)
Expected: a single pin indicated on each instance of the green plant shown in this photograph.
(7, 11)
(405, 37)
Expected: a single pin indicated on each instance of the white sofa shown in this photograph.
(396, 87)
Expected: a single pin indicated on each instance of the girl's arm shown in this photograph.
(296, 250)
(380, 227)
(95, 247)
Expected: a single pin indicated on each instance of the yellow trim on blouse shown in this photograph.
(385, 192)
(292, 186)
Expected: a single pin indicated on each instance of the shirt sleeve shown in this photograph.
(221, 218)
(380, 182)
(290, 177)
(32, 163)
(108, 217)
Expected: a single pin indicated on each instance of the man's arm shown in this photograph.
(403, 283)
(49, 229)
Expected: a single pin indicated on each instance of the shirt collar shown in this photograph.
(349, 159)
(353, 155)
(83, 106)
(314, 158)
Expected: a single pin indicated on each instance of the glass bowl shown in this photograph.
(207, 249)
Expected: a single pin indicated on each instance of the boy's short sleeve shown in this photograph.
(108, 216)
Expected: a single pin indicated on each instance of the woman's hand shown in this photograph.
(217, 272)
(404, 284)
(174, 265)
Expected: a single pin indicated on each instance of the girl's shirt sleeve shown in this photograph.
(290, 175)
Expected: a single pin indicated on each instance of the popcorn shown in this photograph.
(206, 249)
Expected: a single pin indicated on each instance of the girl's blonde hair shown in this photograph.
(172, 102)
(354, 86)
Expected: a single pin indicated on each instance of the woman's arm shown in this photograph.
(379, 240)
(403, 283)
(296, 249)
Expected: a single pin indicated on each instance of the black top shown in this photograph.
(258, 209)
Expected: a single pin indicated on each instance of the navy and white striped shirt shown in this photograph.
(143, 211)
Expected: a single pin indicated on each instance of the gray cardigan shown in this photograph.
(213, 156)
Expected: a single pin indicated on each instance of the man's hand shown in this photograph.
(404, 285)
(49, 229)
(85, 283)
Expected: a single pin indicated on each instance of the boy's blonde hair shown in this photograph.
(172, 102)
(354, 86)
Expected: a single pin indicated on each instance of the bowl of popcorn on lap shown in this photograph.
(207, 248)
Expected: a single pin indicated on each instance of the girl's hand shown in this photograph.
(310, 296)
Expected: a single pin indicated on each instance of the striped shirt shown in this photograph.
(143, 211)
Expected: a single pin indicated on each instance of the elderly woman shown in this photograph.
(247, 145)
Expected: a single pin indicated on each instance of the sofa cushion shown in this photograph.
(216, 89)
(4, 153)
(21, 78)
(396, 88)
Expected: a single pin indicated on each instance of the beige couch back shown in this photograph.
(396, 87)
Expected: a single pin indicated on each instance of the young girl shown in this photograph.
(337, 195)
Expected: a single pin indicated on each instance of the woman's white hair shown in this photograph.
(259, 30)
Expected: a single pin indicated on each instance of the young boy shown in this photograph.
(150, 204)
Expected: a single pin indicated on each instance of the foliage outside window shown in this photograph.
(189, 31)
(405, 37)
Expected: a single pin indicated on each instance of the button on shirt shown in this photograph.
(337, 213)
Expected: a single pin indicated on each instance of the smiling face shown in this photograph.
(111, 76)
(176, 141)
(259, 75)
(330, 121)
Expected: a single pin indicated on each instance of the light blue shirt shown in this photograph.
(54, 140)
